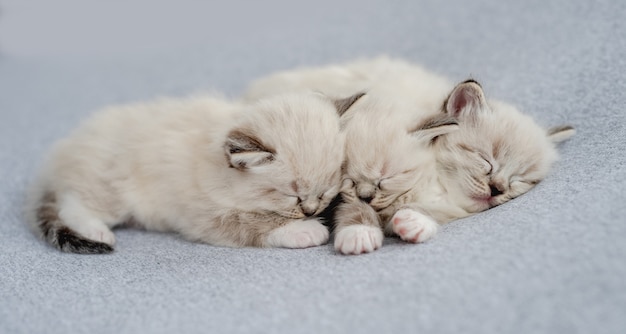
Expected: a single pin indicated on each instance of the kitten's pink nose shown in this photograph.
(366, 192)
(308, 209)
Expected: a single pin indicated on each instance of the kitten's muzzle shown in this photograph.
(309, 208)
(365, 192)
(494, 190)
(367, 199)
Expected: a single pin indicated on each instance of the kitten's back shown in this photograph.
(382, 77)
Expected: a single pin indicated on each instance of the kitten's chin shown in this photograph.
(381, 204)
(294, 214)
(484, 203)
(479, 204)
(379, 208)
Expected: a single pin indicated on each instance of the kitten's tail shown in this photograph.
(60, 236)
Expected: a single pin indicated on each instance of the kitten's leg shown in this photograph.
(68, 225)
(412, 225)
(357, 229)
(245, 229)
(298, 234)
(80, 219)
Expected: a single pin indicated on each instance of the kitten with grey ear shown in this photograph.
(389, 160)
(494, 153)
(223, 173)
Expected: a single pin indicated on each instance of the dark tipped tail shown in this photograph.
(61, 236)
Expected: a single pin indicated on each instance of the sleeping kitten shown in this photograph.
(496, 153)
(217, 172)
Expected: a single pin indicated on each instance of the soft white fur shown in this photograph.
(165, 166)
(299, 234)
(448, 179)
(356, 239)
(413, 226)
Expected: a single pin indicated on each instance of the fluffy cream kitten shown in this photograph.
(494, 154)
(216, 172)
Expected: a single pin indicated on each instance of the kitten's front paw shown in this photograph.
(358, 239)
(299, 234)
(413, 226)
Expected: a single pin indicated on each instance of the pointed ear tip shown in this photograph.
(471, 81)
(470, 86)
(561, 133)
(466, 94)
(570, 133)
(562, 129)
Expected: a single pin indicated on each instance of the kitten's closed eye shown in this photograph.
(486, 163)
(395, 181)
(329, 194)
(488, 166)
(388, 183)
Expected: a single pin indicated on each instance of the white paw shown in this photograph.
(358, 239)
(413, 226)
(299, 234)
(98, 232)
(78, 218)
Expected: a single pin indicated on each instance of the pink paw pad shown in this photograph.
(415, 239)
(413, 226)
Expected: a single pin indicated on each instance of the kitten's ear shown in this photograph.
(244, 151)
(467, 99)
(342, 105)
(561, 133)
(434, 127)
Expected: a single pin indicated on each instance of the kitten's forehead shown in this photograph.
(514, 140)
(304, 130)
(378, 143)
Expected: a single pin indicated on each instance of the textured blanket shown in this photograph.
(550, 261)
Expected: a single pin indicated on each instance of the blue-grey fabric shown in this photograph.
(551, 261)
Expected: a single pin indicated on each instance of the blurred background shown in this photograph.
(244, 39)
(109, 29)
